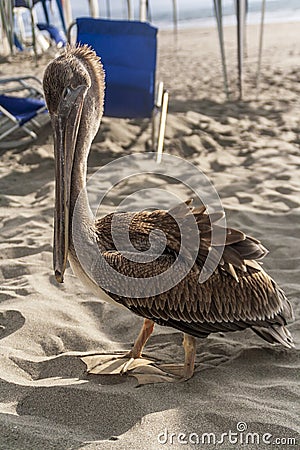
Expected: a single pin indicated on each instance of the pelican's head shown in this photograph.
(74, 91)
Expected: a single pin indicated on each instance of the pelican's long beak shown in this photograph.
(65, 127)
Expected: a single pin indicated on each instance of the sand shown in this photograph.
(250, 151)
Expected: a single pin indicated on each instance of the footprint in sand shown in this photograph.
(21, 251)
(14, 270)
(283, 177)
(284, 190)
(10, 321)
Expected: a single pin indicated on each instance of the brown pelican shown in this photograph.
(239, 294)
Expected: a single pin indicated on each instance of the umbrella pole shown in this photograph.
(263, 8)
(241, 15)
(175, 20)
(218, 13)
(94, 8)
(108, 12)
(11, 21)
(129, 10)
(143, 10)
(8, 24)
(33, 32)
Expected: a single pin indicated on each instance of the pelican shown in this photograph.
(238, 295)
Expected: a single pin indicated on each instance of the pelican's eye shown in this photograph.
(66, 92)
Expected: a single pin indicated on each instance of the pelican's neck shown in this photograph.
(78, 194)
(89, 124)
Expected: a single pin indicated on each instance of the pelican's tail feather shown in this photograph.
(276, 334)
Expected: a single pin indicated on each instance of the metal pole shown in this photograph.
(67, 12)
(5, 35)
(45, 12)
(94, 8)
(241, 16)
(108, 11)
(8, 22)
(263, 8)
(33, 31)
(129, 10)
(218, 13)
(143, 10)
(175, 18)
(61, 14)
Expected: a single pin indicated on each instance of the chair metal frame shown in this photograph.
(20, 88)
(160, 106)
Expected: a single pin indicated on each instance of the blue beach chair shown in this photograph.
(56, 36)
(21, 104)
(128, 53)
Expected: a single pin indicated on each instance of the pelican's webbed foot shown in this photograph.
(143, 369)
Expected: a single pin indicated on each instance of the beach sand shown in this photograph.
(250, 151)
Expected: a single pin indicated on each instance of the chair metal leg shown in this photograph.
(9, 131)
(162, 126)
(156, 110)
(8, 122)
(159, 94)
(153, 131)
(31, 133)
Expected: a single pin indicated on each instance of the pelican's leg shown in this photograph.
(136, 351)
(189, 345)
(145, 333)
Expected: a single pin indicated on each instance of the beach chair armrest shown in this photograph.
(69, 31)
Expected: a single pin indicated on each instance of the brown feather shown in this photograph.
(238, 294)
